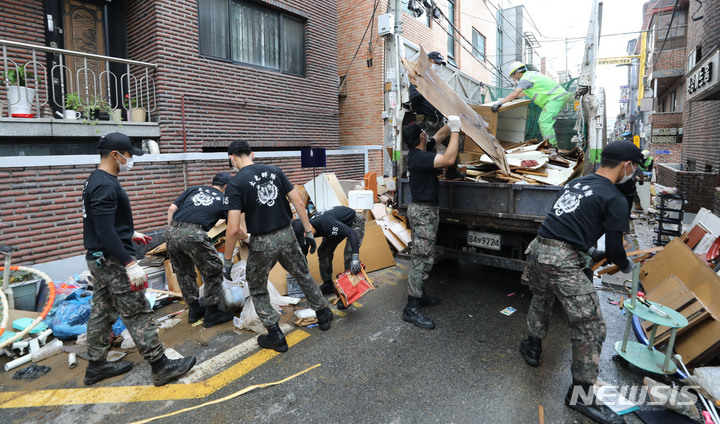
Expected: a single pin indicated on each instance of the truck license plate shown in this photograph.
(485, 240)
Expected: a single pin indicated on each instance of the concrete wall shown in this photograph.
(698, 187)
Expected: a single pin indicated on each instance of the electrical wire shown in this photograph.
(372, 19)
(667, 33)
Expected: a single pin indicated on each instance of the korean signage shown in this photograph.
(624, 94)
(622, 60)
(702, 80)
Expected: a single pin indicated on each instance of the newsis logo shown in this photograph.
(627, 396)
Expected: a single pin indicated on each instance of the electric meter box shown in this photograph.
(386, 24)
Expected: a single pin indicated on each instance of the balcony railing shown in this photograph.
(101, 83)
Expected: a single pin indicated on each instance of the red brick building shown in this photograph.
(205, 71)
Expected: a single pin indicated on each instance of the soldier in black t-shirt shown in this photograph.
(558, 263)
(262, 192)
(334, 226)
(423, 213)
(192, 214)
(119, 282)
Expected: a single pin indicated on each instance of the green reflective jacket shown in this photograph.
(544, 88)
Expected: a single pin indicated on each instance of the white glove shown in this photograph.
(136, 275)
(141, 238)
(454, 123)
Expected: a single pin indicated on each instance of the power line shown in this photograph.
(657, 56)
(371, 21)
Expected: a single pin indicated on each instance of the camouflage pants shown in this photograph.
(556, 270)
(112, 297)
(265, 251)
(189, 248)
(326, 251)
(424, 221)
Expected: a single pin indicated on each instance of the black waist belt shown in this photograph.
(185, 225)
(552, 242)
(426, 203)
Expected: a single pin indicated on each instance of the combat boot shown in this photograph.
(598, 413)
(412, 314)
(531, 348)
(324, 316)
(195, 312)
(327, 287)
(427, 300)
(100, 370)
(274, 339)
(165, 370)
(215, 316)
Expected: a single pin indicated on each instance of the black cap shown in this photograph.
(221, 179)
(411, 133)
(621, 151)
(437, 57)
(239, 146)
(120, 142)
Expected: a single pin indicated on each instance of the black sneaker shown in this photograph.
(597, 412)
(100, 370)
(171, 369)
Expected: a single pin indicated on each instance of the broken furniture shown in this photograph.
(638, 354)
(670, 217)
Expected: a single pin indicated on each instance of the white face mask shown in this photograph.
(232, 161)
(436, 67)
(127, 166)
(626, 177)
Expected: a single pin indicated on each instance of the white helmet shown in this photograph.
(515, 66)
(646, 154)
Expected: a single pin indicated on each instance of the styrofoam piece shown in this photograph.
(305, 313)
(18, 362)
(360, 199)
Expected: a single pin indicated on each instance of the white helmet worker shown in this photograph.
(515, 66)
(646, 154)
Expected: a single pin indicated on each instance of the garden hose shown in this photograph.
(38, 320)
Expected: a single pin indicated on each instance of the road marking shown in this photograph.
(338, 313)
(357, 304)
(127, 394)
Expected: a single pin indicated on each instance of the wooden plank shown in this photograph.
(524, 171)
(168, 292)
(615, 268)
(695, 235)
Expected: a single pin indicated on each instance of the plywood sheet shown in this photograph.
(444, 99)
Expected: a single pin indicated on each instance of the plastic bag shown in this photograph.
(249, 318)
(72, 315)
(236, 291)
(709, 379)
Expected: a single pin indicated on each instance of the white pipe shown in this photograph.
(709, 408)
(50, 349)
(20, 346)
(72, 360)
(34, 345)
(18, 362)
(43, 335)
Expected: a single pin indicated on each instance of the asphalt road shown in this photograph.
(375, 368)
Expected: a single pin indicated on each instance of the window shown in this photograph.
(478, 42)
(451, 31)
(248, 33)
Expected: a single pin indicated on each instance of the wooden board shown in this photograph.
(446, 101)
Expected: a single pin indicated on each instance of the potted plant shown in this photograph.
(20, 96)
(131, 105)
(72, 106)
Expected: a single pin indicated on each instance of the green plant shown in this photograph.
(130, 102)
(18, 77)
(72, 101)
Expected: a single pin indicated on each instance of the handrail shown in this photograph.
(74, 53)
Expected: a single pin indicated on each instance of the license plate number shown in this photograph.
(484, 240)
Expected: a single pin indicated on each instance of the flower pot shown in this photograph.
(138, 115)
(20, 100)
(71, 115)
(116, 115)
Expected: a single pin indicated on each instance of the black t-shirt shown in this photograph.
(587, 208)
(260, 191)
(103, 195)
(424, 184)
(200, 205)
(337, 222)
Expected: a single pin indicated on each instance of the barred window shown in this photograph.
(245, 32)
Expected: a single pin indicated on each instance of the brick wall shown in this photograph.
(698, 187)
(226, 100)
(716, 206)
(701, 141)
(40, 208)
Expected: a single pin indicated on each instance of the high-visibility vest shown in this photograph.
(544, 88)
(646, 164)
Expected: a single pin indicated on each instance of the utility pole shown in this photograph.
(395, 93)
(594, 99)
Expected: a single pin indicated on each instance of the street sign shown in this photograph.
(636, 141)
(621, 60)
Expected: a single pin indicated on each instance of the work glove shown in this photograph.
(227, 269)
(310, 240)
(596, 255)
(136, 275)
(628, 268)
(355, 266)
(496, 106)
(454, 123)
(141, 238)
